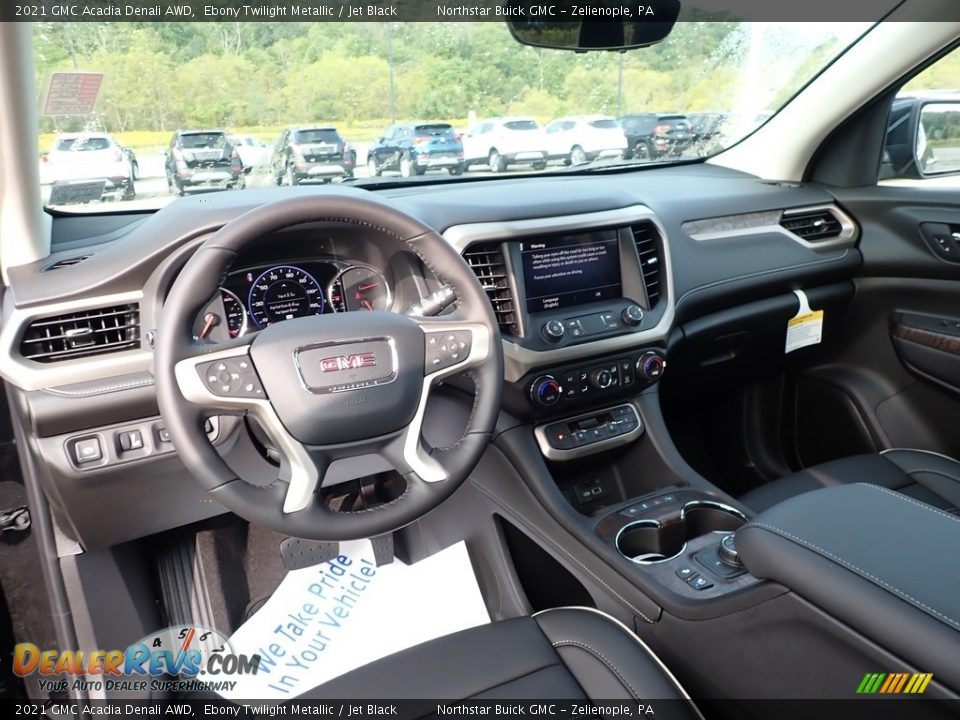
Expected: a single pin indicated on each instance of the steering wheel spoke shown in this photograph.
(223, 380)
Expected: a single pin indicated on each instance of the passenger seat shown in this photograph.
(923, 475)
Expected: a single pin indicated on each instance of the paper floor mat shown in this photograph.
(326, 620)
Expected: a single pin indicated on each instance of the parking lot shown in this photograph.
(152, 189)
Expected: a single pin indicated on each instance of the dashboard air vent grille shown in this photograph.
(81, 334)
(812, 225)
(66, 262)
(486, 261)
(647, 238)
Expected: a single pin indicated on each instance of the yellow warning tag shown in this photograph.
(805, 328)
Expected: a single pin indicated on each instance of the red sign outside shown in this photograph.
(72, 93)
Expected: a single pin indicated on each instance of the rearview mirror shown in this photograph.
(534, 24)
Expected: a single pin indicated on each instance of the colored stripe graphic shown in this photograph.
(894, 683)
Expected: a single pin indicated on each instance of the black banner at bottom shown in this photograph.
(857, 709)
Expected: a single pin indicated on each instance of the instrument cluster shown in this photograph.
(253, 298)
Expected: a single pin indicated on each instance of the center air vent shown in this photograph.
(81, 334)
(486, 261)
(647, 238)
(812, 225)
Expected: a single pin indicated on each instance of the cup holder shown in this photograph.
(649, 541)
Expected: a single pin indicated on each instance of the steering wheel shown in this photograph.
(328, 388)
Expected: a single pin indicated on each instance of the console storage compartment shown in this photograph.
(876, 560)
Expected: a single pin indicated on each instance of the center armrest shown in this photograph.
(879, 561)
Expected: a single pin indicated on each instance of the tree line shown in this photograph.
(161, 76)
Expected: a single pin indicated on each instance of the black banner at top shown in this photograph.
(470, 10)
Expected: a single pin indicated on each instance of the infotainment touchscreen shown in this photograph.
(571, 270)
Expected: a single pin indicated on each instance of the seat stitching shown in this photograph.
(600, 656)
(514, 679)
(850, 566)
(907, 498)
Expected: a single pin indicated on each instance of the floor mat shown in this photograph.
(328, 619)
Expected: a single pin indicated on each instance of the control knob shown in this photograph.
(650, 366)
(727, 550)
(553, 331)
(545, 391)
(601, 378)
(632, 315)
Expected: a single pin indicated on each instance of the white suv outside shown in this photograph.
(90, 157)
(580, 138)
(499, 142)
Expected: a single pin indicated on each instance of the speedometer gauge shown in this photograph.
(282, 293)
(359, 288)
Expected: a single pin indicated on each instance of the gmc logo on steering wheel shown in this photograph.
(348, 362)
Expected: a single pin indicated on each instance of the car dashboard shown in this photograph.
(592, 279)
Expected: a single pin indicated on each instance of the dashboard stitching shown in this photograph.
(760, 273)
(100, 391)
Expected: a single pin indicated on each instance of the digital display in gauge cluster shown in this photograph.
(254, 298)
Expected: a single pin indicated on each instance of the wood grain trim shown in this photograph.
(928, 338)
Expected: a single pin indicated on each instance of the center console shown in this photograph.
(585, 306)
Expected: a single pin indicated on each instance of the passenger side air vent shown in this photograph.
(486, 261)
(812, 225)
(66, 262)
(81, 334)
(647, 238)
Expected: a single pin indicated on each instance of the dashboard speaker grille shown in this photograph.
(486, 261)
(81, 334)
(67, 262)
(647, 238)
(812, 225)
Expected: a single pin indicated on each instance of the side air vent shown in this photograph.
(812, 225)
(486, 261)
(66, 262)
(647, 238)
(81, 334)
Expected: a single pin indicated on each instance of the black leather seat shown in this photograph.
(563, 654)
(926, 476)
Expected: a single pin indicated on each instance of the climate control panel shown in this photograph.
(628, 373)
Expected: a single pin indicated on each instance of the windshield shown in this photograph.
(305, 137)
(81, 144)
(434, 130)
(521, 125)
(403, 98)
(202, 140)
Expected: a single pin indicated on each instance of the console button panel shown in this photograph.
(589, 433)
(127, 442)
(599, 379)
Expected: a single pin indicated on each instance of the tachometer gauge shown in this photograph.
(225, 311)
(359, 288)
(283, 293)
